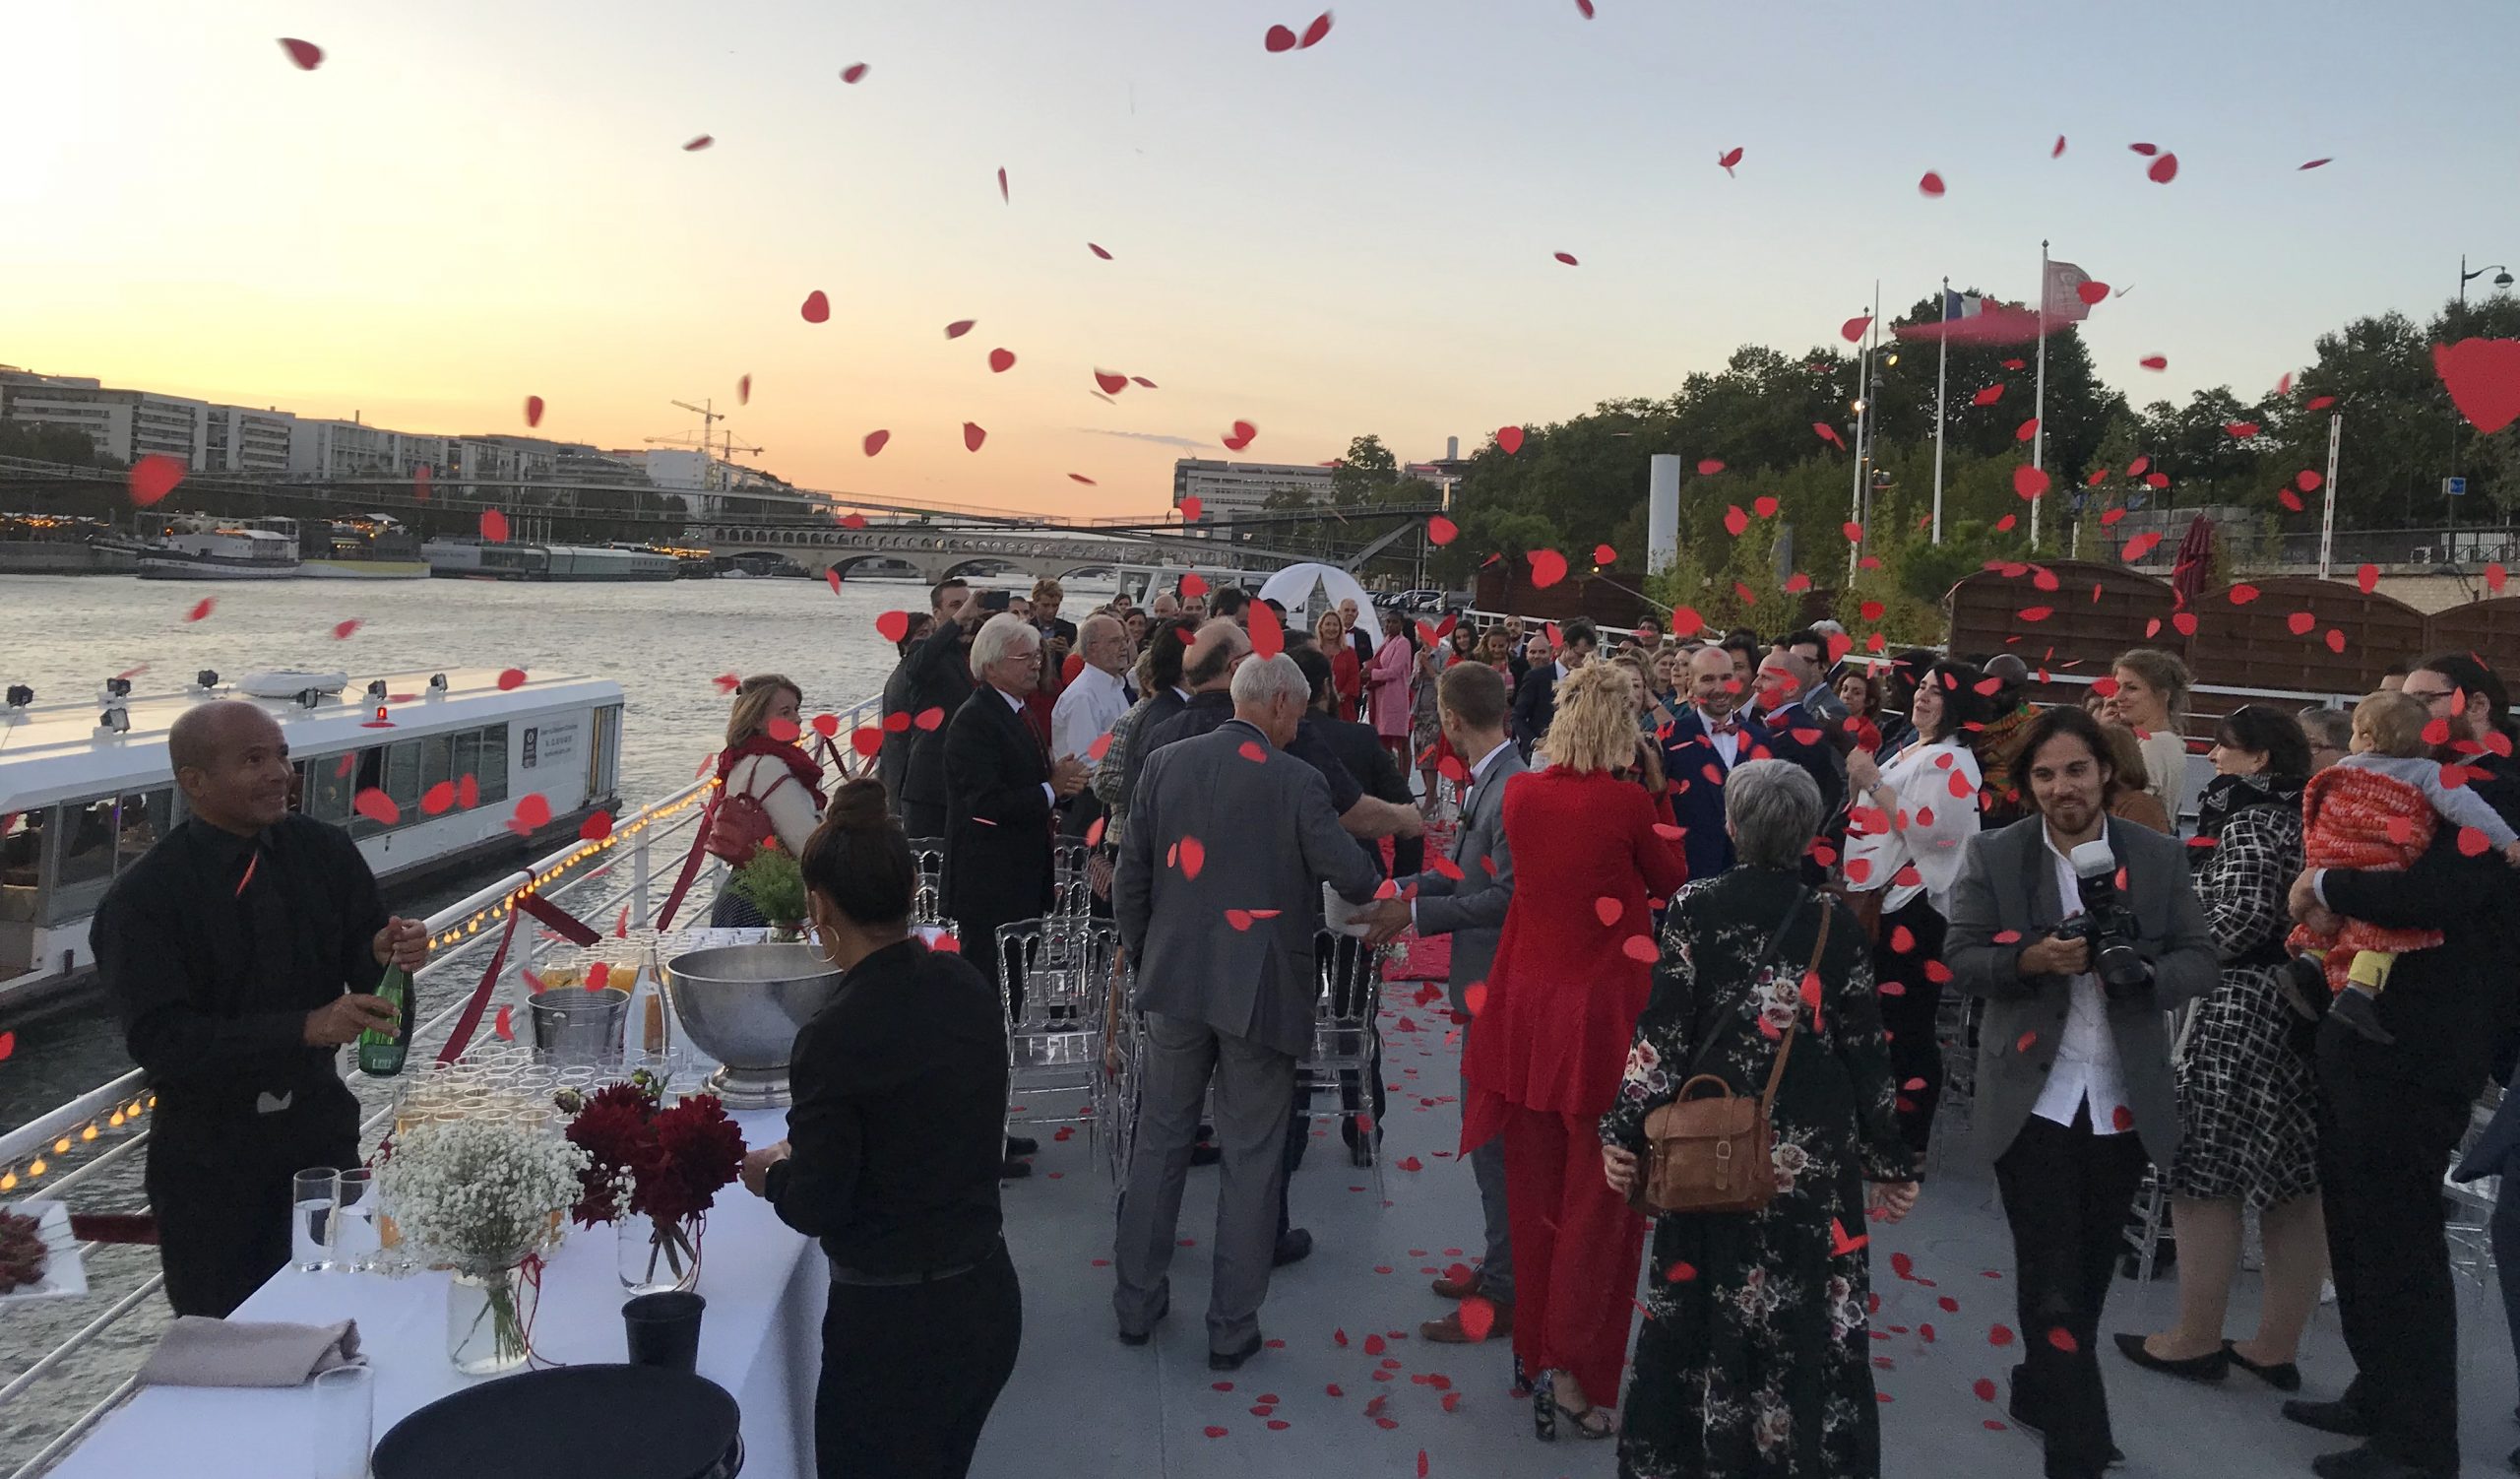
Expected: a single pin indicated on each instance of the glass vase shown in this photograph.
(489, 1312)
(658, 1257)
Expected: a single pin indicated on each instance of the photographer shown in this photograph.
(2081, 933)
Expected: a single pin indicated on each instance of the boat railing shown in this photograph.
(612, 883)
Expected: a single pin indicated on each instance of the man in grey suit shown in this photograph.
(1229, 843)
(2074, 1085)
(1467, 899)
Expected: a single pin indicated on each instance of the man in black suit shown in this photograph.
(1535, 698)
(1047, 597)
(1713, 734)
(939, 679)
(892, 764)
(1788, 684)
(2392, 1113)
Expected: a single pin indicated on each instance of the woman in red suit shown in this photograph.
(1594, 851)
(1346, 671)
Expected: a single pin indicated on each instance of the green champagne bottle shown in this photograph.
(380, 1052)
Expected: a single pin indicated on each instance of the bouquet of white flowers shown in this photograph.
(484, 1196)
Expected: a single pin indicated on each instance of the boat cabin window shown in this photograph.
(57, 863)
(405, 771)
(324, 787)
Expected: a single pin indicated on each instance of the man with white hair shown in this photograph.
(1001, 788)
(1088, 707)
(1223, 934)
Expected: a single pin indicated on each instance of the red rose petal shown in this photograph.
(2163, 169)
(437, 799)
(1735, 521)
(817, 307)
(1930, 186)
(1001, 360)
(306, 55)
(2058, 1337)
(1001, 185)
(2154, 362)
(1268, 633)
(2028, 481)
(1709, 468)
(595, 828)
(960, 327)
(1608, 910)
(153, 477)
(1098, 251)
(893, 625)
(2058, 151)
(341, 630)
(530, 813)
(2483, 377)
(972, 435)
(1509, 439)
(1568, 258)
(1727, 160)
(533, 411)
(698, 144)
(1604, 554)
(1313, 32)
(1852, 331)
(494, 526)
(1549, 568)
(1192, 855)
(376, 806)
(1640, 947)
(853, 72)
(1999, 1335)
(1278, 39)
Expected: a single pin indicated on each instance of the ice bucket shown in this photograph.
(572, 1025)
(741, 1004)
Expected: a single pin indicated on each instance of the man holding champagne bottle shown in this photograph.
(240, 952)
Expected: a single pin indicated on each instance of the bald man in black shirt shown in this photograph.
(240, 954)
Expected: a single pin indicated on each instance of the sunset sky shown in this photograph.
(471, 202)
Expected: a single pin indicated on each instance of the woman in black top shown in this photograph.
(892, 1160)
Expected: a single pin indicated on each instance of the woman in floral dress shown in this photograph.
(1755, 1354)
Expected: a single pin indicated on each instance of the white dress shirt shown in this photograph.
(1024, 719)
(2086, 1067)
(1727, 747)
(1085, 713)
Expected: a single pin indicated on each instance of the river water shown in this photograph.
(663, 643)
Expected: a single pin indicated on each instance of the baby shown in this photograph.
(2379, 809)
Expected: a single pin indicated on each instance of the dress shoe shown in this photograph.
(1146, 1332)
(1206, 1154)
(2283, 1375)
(2366, 1463)
(1294, 1244)
(2213, 1366)
(1021, 1146)
(2343, 1418)
(1014, 1171)
(2116, 1454)
(1449, 1331)
(1233, 1360)
(1463, 1287)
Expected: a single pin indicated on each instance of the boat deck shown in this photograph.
(1082, 1403)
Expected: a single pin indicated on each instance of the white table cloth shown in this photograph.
(761, 1340)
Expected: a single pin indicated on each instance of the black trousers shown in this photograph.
(2384, 1147)
(911, 1372)
(1910, 1002)
(219, 1181)
(2066, 1194)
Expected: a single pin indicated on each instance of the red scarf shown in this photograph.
(808, 773)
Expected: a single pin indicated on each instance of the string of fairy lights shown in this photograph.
(126, 1116)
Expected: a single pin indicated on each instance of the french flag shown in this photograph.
(1970, 319)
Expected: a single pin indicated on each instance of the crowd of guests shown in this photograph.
(1737, 860)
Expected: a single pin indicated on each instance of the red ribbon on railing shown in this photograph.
(567, 925)
(690, 863)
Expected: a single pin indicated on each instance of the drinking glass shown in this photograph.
(345, 1421)
(313, 1197)
(356, 1243)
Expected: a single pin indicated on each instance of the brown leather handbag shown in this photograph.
(1714, 1152)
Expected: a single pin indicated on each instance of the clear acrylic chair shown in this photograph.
(1054, 975)
(927, 900)
(1346, 1036)
(1071, 890)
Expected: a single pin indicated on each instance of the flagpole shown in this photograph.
(1942, 377)
(2039, 397)
(1862, 412)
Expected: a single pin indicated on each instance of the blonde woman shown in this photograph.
(769, 787)
(1573, 969)
(2152, 695)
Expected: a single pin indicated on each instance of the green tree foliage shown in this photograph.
(40, 443)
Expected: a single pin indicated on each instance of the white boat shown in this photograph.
(85, 786)
(224, 552)
(369, 547)
(476, 560)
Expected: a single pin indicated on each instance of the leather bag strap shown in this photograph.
(1785, 1050)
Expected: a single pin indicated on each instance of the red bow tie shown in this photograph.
(1724, 727)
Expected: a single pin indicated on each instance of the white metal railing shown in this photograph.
(583, 878)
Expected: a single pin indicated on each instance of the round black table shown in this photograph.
(573, 1422)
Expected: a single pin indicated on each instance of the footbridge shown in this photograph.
(938, 552)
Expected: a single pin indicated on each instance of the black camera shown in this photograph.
(2106, 925)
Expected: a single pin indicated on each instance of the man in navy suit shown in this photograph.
(1788, 685)
(1535, 698)
(1711, 737)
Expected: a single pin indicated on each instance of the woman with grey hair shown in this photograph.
(2330, 733)
(1755, 1356)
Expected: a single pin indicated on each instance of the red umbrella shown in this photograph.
(2195, 551)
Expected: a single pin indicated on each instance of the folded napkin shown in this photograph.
(199, 1351)
(1341, 915)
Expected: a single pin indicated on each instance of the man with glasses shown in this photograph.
(2391, 1114)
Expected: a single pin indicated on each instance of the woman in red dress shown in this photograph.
(1594, 851)
(1346, 672)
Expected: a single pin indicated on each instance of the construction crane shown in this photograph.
(717, 449)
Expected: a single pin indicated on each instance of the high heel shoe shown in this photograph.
(1543, 1410)
(1591, 1424)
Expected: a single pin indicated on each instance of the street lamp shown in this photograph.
(2502, 278)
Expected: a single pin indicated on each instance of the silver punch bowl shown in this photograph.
(741, 1004)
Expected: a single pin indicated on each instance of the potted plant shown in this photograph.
(774, 884)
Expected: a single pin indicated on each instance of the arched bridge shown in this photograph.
(936, 553)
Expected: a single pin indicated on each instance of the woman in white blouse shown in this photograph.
(1908, 818)
(771, 788)
(2152, 695)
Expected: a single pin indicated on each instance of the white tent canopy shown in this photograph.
(1308, 590)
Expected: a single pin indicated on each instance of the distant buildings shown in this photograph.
(1228, 491)
(126, 425)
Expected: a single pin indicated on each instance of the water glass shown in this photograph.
(355, 1242)
(345, 1421)
(314, 1195)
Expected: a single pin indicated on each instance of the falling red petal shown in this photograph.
(1278, 39)
(1568, 258)
(341, 629)
(696, 145)
(2163, 169)
(533, 411)
(1442, 531)
(306, 55)
(817, 307)
(1549, 568)
(853, 72)
(153, 477)
(972, 435)
(1098, 251)
(494, 526)
(1852, 328)
(2028, 481)
(1313, 32)
(1001, 185)
(2058, 151)
(2155, 363)
(1268, 634)
(1930, 186)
